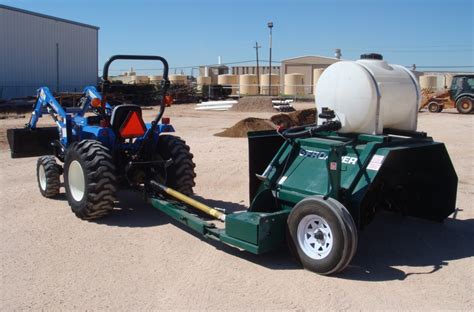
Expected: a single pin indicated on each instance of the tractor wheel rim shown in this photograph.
(42, 177)
(76, 180)
(315, 237)
(465, 105)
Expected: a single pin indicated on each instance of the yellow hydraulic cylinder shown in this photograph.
(188, 200)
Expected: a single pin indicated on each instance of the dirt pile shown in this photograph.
(254, 104)
(297, 118)
(240, 129)
(304, 117)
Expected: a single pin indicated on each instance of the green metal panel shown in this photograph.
(264, 230)
(243, 226)
(348, 167)
(239, 244)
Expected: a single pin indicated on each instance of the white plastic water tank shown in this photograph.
(369, 95)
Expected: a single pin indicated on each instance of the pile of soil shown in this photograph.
(254, 104)
(304, 117)
(240, 129)
(297, 118)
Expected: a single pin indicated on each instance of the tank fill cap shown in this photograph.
(371, 56)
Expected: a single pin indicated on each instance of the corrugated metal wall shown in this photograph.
(37, 51)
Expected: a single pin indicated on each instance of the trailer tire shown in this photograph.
(322, 235)
(464, 105)
(352, 230)
(89, 179)
(48, 174)
(180, 174)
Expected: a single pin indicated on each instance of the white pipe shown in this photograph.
(210, 103)
(223, 107)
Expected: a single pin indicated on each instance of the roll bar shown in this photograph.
(105, 72)
(165, 83)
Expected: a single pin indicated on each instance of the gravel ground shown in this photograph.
(139, 259)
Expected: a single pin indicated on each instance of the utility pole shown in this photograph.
(270, 25)
(258, 71)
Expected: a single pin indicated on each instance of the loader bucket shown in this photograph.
(28, 143)
(263, 145)
(420, 180)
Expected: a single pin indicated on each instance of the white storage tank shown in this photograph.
(429, 82)
(248, 84)
(178, 79)
(369, 95)
(134, 79)
(156, 79)
(229, 80)
(294, 84)
(317, 72)
(448, 80)
(203, 81)
(264, 82)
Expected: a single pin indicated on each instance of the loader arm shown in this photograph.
(45, 99)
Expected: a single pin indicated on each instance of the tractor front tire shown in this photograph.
(322, 235)
(434, 107)
(47, 174)
(89, 179)
(464, 105)
(180, 174)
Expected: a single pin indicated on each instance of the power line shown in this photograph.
(277, 62)
(446, 66)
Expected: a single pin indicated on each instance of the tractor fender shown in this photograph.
(160, 128)
(105, 135)
(471, 95)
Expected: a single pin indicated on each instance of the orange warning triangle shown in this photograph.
(133, 126)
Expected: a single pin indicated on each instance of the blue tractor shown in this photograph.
(102, 148)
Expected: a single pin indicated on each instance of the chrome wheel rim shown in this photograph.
(315, 237)
(42, 177)
(76, 180)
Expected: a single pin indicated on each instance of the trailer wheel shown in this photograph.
(47, 174)
(89, 179)
(180, 175)
(434, 107)
(322, 235)
(464, 105)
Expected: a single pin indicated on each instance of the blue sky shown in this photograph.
(422, 32)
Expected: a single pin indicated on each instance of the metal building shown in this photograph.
(306, 66)
(40, 50)
(252, 70)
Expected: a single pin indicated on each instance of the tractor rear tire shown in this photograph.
(89, 179)
(434, 107)
(322, 235)
(48, 173)
(464, 105)
(180, 174)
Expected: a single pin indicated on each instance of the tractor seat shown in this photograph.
(120, 113)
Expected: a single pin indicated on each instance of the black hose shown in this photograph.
(308, 131)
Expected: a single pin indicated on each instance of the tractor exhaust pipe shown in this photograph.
(188, 200)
